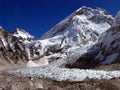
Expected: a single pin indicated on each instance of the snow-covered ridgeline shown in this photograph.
(85, 19)
(21, 33)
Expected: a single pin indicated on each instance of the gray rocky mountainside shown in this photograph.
(109, 52)
(13, 51)
(76, 34)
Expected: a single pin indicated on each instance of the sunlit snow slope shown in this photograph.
(81, 29)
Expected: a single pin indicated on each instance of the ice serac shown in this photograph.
(110, 44)
(76, 32)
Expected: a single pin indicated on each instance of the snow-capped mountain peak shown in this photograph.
(84, 26)
(22, 34)
(95, 19)
(75, 34)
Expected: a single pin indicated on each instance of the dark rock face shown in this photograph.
(110, 44)
(86, 61)
(110, 47)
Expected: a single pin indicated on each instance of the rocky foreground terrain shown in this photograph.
(13, 82)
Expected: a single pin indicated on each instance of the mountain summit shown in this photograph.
(83, 26)
(22, 34)
(94, 20)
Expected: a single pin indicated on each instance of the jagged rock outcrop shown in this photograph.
(12, 49)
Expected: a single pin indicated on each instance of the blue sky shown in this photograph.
(38, 16)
